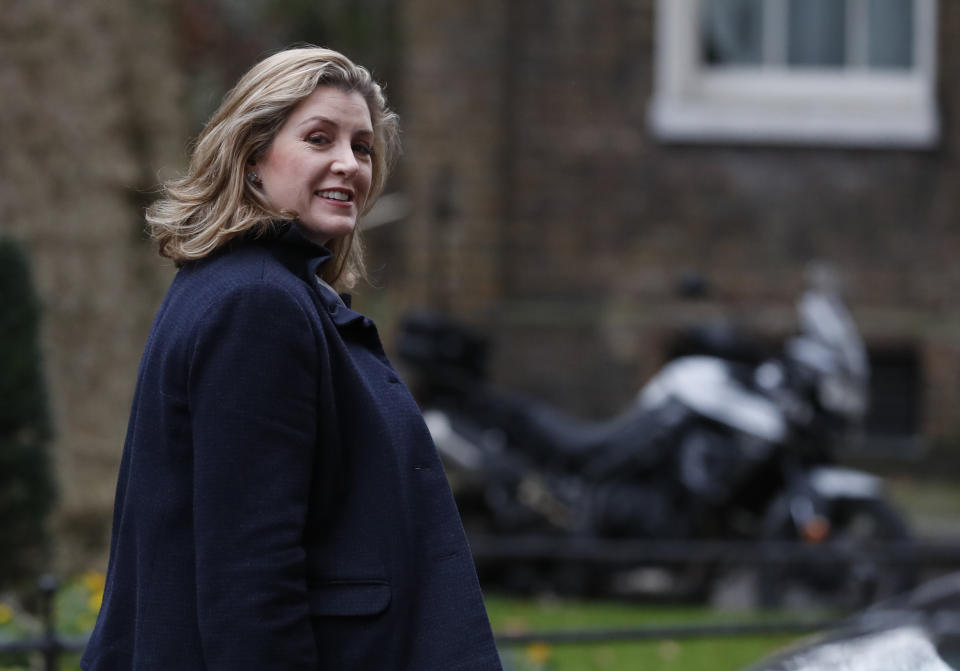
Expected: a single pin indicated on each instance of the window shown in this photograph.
(834, 72)
(895, 416)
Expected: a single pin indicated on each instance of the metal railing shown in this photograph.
(608, 551)
(52, 646)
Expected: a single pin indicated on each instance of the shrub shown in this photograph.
(26, 482)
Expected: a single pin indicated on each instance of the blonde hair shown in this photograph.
(213, 203)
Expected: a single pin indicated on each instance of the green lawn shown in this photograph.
(713, 654)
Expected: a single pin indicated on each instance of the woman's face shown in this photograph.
(320, 164)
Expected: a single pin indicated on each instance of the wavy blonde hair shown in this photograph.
(213, 203)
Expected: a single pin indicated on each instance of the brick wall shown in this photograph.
(567, 226)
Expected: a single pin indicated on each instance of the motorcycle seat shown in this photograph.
(576, 444)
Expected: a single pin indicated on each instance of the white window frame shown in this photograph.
(774, 104)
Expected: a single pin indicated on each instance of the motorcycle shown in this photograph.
(712, 448)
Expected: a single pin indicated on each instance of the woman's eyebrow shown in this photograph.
(325, 120)
(316, 118)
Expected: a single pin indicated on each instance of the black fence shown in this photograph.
(50, 645)
(929, 554)
(607, 551)
(921, 553)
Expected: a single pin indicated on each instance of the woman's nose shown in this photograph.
(344, 160)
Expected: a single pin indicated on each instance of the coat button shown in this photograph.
(393, 379)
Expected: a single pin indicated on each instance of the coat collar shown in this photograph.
(295, 251)
(304, 258)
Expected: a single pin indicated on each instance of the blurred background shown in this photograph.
(582, 182)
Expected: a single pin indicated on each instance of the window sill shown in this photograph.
(913, 125)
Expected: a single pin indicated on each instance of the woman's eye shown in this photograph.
(317, 139)
(363, 149)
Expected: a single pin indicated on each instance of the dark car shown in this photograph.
(917, 631)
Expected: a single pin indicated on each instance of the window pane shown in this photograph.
(817, 32)
(891, 33)
(732, 32)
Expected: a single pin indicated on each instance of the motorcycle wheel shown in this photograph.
(848, 585)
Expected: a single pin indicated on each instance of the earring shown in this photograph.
(253, 176)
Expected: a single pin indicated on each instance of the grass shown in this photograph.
(510, 615)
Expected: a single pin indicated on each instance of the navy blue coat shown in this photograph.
(280, 504)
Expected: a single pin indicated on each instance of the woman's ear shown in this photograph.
(253, 175)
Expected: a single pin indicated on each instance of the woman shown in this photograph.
(280, 504)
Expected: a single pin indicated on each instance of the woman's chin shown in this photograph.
(323, 232)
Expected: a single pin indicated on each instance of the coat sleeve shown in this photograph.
(253, 405)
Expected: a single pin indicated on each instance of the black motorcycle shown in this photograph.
(713, 448)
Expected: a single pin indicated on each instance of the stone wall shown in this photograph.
(90, 113)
